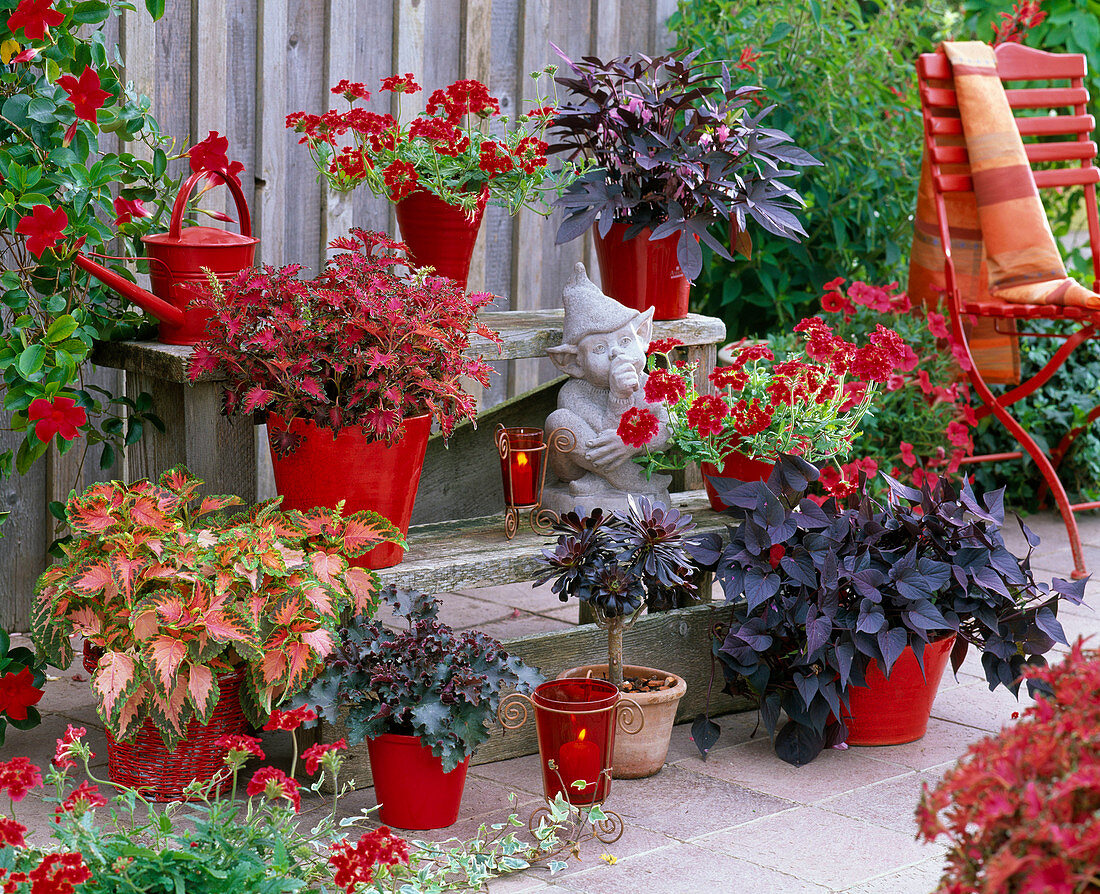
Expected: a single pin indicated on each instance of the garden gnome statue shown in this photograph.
(603, 351)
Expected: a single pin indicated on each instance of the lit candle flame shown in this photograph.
(580, 738)
(521, 459)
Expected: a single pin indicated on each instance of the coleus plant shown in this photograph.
(427, 680)
(811, 402)
(819, 592)
(174, 591)
(618, 562)
(359, 345)
(675, 147)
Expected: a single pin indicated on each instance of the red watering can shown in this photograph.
(177, 259)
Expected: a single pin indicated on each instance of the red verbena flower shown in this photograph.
(291, 719)
(530, 152)
(494, 159)
(85, 93)
(351, 90)
(401, 179)
(212, 155)
(463, 97)
(751, 352)
(34, 17)
(83, 798)
(273, 783)
(706, 415)
(666, 386)
(11, 833)
(61, 416)
(316, 753)
(18, 776)
(663, 346)
(749, 419)
(240, 746)
(355, 864)
(637, 427)
(401, 84)
(127, 209)
(63, 755)
(43, 228)
(17, 693)
(59, 874)
(732, 377)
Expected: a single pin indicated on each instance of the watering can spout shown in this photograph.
(162, 310)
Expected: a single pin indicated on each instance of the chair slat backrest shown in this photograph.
(1060, 136)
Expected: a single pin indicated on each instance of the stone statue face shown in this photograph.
(599, 354)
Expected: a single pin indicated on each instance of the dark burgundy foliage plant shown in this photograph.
(359, 345)
(820, 591)
(676, 147)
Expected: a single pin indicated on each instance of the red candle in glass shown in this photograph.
(580, 761)
(575, 720)
(521, 468)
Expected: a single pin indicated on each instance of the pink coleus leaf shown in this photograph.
(94, 517)
(94, 579)
(363, 587)
(147, 513)
(130, 714)
(165, 654)
(225, 627)
(202, 689)
(326, 565)
(87, 621)
(112, 682)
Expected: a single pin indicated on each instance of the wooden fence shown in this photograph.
(240, 66)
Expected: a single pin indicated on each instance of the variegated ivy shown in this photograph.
(176, 591)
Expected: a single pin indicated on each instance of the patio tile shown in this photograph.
(525, 882)
(520, 774)
(684, 869)
(974, 705)
(736, 729)
(520, 623)
(891, 803)
(819, 846)
(920, 878)
(944, 741)
(832, 772)
(524, 596)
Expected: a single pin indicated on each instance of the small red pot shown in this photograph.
(367, 474)
(642, 273)
(438, 234)
(737, 467)
(410, 785)
(894, 710)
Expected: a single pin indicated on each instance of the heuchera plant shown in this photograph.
(1021, 810)
(445, 150)
(810, 403)
(618, 562)
(820, 592)
(175, 593)
(427, 681)
(22, 685)
(359, 345)
(675, 147)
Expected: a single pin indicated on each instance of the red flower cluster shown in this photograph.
(663, 385)
(845, 481)
(530, 152)
(241, 747)
(273, 783)
(355, 864)
(463, 97)
(63, 755)
(1015, 25)
(34, 17)
(60, 416)
(315, 754)
(637, 427)
(17, 777)
(17, 693)
(748, 419)
(1021, 811)
(405, 83)
(884, 299)
(352, 90)
(58, 874)
(401, 179)
(81, 799)
(291, 719)
(663, 346)
(441, 134)
(733, 377)
(493, 158)
(11, 833)
(707, 414)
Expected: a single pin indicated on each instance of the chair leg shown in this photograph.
(1058, 454)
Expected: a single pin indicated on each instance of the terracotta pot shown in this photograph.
(367, 474)
(894, 710)
(737, 467)
(440, 235)
(642, 273)
(412, 790)
(642, 754)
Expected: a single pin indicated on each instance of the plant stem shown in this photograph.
(615, 651)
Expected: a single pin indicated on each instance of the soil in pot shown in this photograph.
(410, 785)
(643, 753)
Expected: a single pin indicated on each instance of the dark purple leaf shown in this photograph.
(798, 744)
(704, 733)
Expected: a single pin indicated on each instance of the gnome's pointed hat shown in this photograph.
(588, 311)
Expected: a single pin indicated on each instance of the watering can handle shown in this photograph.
(185, 193)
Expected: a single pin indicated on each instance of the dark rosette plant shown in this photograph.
(359, 345)
(676, 147)
(819, 592)
(428, 680)
(617, 563)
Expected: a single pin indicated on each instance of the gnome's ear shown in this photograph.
(565, 358)
(643, 326)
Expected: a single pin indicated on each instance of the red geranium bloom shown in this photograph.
(59, 874)
(290, 720)
(34, 17)
(11, 832)
(666, 386)
(273, 783)
(43, 228)
(85, 93)
(314, 755)
(400, 177)
(706, 414)
(637, 427)
(127, 209)
(399, 84)
(61, 416)
(18, 776)
(212, 155)
(84, 797)
(17, 693)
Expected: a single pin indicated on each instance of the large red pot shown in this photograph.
(367, 474)
(438, 234)
(410, 785)
(737, 467)
(642, 273)
(894, 710)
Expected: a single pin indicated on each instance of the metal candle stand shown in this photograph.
(523, 448)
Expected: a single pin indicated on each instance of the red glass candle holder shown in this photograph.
(522, 461)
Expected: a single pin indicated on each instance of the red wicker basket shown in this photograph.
(161, 775)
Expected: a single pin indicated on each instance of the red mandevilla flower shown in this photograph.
(34, 17)
(637, 427)
(85, 93)
(43, 228)
(663, 385)
(61, 416)
(127, 209)
(212, 155)
(18, 693)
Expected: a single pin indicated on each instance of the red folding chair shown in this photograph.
(1061, 134)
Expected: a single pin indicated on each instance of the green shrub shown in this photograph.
(844, 84)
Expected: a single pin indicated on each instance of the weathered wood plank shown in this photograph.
(373, 61)
(242, 84)
(25, 535)
(340, 56)
(663, 40)
(209, 106)
(269, 208)
(476, 58)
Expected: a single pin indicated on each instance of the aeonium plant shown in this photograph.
(357, 346)
(446, 150)
(427, 680)
(174, 591)
(674, 147)
(810, 403)
(820, 592)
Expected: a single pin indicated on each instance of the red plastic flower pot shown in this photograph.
(410, 785)
(642, 273)
(737, 467)
(440, 235)
(894, 710)
(367, 474)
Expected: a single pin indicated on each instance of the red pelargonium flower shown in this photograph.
(290, 720)
(212, 155)
(707, 414)
(82, 798)
(401, 84)
(63, 755)
(354, 864)
(17, 693)
(43, 228)
(401, 179)
(61, 416)
(85, 93)
(11, 833)
(127, 209)
(663, 346)
(273, 783)
(34, 17)
(59, 874)
(18, 776)
(240, 746)
(316, 753)
(637, 427)
(663, 385)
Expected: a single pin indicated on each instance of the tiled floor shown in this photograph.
(742, 818)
